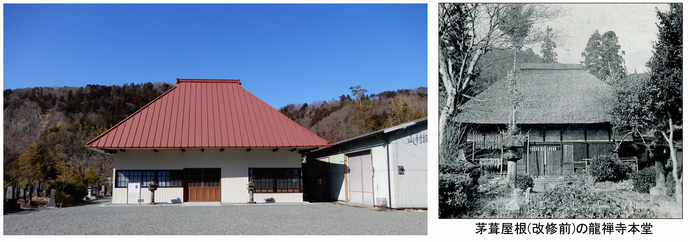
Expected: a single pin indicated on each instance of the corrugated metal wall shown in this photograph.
(234, 166)
(408, 149)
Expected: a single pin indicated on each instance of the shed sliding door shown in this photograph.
(361, 178)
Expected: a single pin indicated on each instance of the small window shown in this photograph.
(164, 178)
(276, 180)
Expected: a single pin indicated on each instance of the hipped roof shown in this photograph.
(547, 94)
(206, 113)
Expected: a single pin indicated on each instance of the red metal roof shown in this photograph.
(206, 113)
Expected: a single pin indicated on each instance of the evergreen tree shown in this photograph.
(666, 84)
(361, 116)
(603, 57)
(548, 48)
(655, 103)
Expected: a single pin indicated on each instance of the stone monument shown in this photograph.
(153, 185)
(250, 188)
(51, 202)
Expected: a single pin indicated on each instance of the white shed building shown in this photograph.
(386, 168)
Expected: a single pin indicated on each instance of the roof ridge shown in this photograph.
(229, 81)
(550, 66)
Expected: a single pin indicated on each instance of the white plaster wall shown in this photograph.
(163, 195)
(234, 165)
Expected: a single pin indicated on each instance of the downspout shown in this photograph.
(388, 163)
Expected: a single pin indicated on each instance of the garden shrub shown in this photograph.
(492, 186)
(458, 183)
(575, 201)
(644, 179)
(608, 168)
(523, 182)
(67, 192)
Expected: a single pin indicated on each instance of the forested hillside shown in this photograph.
(359, 113)
(45, 128)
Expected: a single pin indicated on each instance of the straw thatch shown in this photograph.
(547, 94)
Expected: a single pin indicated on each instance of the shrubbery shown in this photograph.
(492, 186)
(458, 183)
(608, 168)
(523, 182)
(644, 179)
(575, 201)
(67, 192)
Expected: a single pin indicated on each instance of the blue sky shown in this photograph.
(281, 53)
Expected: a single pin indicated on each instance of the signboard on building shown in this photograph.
(133, 187)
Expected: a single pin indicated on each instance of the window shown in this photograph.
(276, 180)
(164, 178)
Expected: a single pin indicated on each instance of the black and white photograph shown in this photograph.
(560, 111)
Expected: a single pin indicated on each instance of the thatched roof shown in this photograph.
(547, 93)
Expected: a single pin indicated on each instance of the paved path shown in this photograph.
(101, 218)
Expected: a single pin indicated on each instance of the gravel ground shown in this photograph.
(101, 218)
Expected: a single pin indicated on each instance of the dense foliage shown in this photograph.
(652, 104)
(362, 112)
(603, 57)
(57, 151)
(579, 201)
(548, 48)
(608, 168)
(457, 188)
(644, 179)
(491, 187)
(523, 182)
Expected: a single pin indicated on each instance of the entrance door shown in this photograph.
(361, 178)
(202, 185)
(548, 159)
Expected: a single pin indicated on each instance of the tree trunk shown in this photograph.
(679, 181)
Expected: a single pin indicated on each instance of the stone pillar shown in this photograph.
(51, 202)
(660, 188)
(10, 193)
(513, 145)
(35, 189)
(512, 173)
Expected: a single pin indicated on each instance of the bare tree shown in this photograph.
(468, 31)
